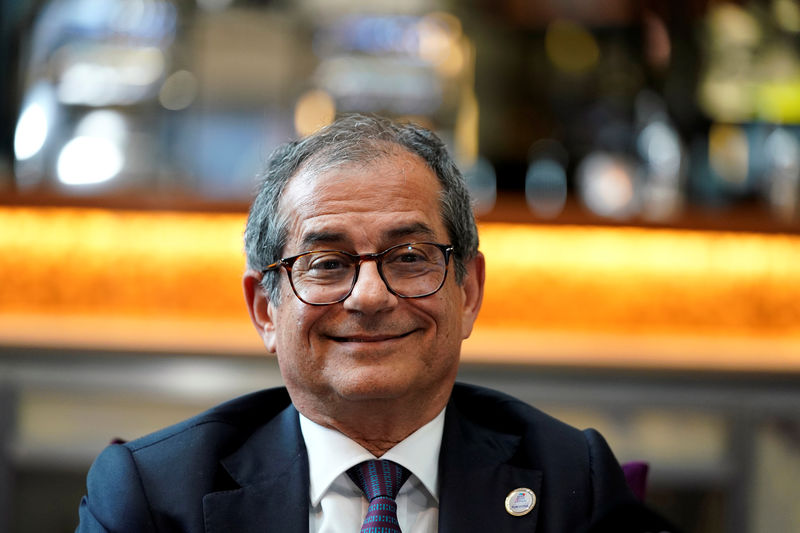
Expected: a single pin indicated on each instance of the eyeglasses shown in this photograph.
(324, 277)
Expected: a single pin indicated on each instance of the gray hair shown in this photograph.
(355, 138)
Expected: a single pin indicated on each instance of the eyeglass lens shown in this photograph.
(409, 270)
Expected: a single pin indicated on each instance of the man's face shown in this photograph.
(373, 345)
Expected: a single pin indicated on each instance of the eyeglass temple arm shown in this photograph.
(274, 266)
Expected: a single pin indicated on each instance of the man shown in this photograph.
(364, 277)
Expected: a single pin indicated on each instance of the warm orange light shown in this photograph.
(638, 280)
(120, 263)
(554, 295)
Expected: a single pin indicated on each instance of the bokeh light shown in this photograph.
(728, 153)
(570, 47)
(31, 132)
(659, 145)
(440, 42)
(108, 75)
(733, 25)
(658, 43)
(314, 110)
(608, 184)
(96, 153)
(787, 14)
(214, 5)
(482, 184)
(546, 187)
(178, 91)
(782, 153)
(88, 160)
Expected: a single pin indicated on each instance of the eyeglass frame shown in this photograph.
(358, 259)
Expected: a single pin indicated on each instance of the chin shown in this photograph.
(374, 384)
(371, 390)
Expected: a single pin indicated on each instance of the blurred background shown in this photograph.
(636, 173)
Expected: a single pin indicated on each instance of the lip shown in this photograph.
(369, 338)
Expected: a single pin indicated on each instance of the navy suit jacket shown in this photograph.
(242, 467)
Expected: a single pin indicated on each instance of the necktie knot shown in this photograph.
(379, 478)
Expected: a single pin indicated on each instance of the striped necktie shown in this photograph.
(380, 481)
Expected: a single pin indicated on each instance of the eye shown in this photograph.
(410, 255)
(327, 262)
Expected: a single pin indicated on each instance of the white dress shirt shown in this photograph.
(337, 505)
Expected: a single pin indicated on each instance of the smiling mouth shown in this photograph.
(371, 338)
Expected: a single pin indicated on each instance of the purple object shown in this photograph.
(636, 476)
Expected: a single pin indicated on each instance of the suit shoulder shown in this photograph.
(158, 481)
(506, 413)
(239, 415)
(577, 465)
(539, 435)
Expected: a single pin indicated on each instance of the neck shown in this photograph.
(377, 425)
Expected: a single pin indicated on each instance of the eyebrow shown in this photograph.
(417, 228)
(315, 238)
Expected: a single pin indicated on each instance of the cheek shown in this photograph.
(450, 311)
(295, 327)
(292, 354)
(445, 320)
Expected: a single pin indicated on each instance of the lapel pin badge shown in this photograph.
(520, 502)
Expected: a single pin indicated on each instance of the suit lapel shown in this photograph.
(477, 472)
(271, 468)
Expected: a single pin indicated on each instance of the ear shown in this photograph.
(260, 308)
(472, 291)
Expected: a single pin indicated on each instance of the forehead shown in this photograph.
(372, 200)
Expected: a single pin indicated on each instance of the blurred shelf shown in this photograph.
(748, 217)
(510, 206)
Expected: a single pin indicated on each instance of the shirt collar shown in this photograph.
(330, 453)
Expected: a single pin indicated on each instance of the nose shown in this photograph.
(370, 294)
